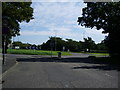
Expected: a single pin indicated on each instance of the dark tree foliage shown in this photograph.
(21, 45)
(54, 43)
(26, 45)
(102, 47)
(88, 44)
(68, 44)
(72, 45)
(15, 13)
(106, 16)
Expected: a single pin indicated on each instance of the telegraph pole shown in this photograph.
(51, 45)
(84, 34)
(5, 30)
(55, 39)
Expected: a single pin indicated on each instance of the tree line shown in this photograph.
(58, 44)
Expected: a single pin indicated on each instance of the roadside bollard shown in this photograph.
(59, 55)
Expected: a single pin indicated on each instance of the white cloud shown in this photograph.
(59, 31)
(59, 18)
(57, 0)
(63, 32)
(46, 13)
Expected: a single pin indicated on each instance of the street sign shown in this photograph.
(63, 48)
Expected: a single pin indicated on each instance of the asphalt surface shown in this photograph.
(34, 71)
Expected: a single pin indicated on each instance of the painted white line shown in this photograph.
(108, 75)
(66, 86)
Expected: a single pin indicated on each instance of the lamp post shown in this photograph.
(5, 30)
(84, 32)
(51, 45)
(55, 39)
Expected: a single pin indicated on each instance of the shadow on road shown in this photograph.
(102, 67)
(101, 63)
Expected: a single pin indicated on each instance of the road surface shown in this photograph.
(79, 72)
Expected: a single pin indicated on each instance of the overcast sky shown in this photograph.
(56, 19)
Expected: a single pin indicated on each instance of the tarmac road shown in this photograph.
(36, 72)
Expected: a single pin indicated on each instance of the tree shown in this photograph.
(21, 45)
(88, 44)
(106, 16)
(54, 43)
(73, 45)
(101, 47)
(16, 44)
(16, 12)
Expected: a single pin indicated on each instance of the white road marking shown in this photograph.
(108, 75)
(66, 86)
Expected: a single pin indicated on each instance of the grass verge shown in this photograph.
(35, 52)
(99, 54)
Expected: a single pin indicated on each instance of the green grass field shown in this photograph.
(44, 52)
(94, 54)
(0, 50)
(99, 54)
(34, 52)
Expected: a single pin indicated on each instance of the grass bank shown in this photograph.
(99, 54)
(94, 54)
(34, 52)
